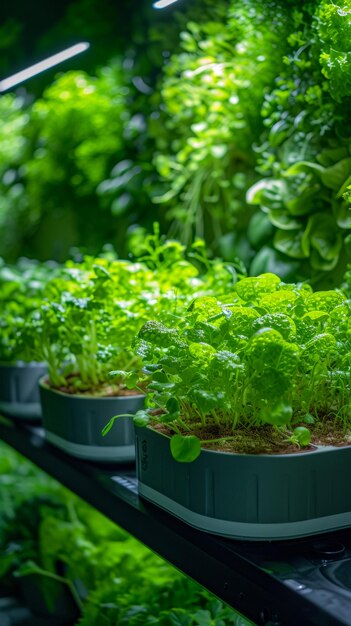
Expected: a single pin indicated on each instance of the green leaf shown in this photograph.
(250, 289)
(201, 351)
(344, 187)
(321, 347)
(302, 436)
(203, 618)
(117, 374)
(342, 212)
(141, 418)
(205, 307)
(172, 405)
(267, 192)
(318, 263)
(260, 229)
(160, 387)
(329, 156)
(304, 167)
(205, 400)
(290, 243)
(185, 449)
(324, 300)
(278, 414)
(323, 235)
(102, 272)
(302, 200)
(270, 260)
(149, 368)
(335, 176)
(241, 320)
(278, 321)
(308, 419)
(278, 133)
(282, 219)
(106, 429)
(158, 334)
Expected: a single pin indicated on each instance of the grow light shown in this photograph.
(37, 68)
(162, 4)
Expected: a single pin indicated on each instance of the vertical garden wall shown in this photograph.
(203, 117)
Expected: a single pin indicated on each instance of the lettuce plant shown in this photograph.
(267, 354)
(93, 310)
(304, 158)
(208, 114)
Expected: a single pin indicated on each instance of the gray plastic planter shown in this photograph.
(19, 392)
(74, 424)
(252, 497)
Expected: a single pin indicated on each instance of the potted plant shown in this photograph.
(248, 427)
(21, 289)
(84, 331)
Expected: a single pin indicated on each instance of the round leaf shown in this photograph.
(185, 449)
(302, 436)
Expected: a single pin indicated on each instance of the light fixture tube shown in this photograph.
(162, 4)
(37, 68)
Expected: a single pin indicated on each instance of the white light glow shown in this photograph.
(162, 4)
(37, 68)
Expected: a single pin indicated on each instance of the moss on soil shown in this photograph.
(267, 439)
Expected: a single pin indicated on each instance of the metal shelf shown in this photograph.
(277, 584)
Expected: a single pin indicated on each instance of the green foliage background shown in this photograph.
(43, 524)
(226, 120)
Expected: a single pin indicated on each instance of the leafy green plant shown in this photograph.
(93, 310)
(75, 135)
(208, 117)
(14, 210)
(269, 356)
(22, 288)
(305, 154)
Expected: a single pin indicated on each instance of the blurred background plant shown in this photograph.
(304, 157)
(209, 98)
(45, 529)
(204, 118)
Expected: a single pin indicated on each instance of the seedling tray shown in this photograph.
(251, 497)
(74, 424)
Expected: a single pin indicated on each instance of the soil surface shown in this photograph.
(105, 390)
(267, 439)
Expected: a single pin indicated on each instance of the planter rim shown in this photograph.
(44, 385)
(20, 363)
(318, 449)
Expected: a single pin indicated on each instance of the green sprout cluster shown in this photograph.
(85, 326)
(268, 353)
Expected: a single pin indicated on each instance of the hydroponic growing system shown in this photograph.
(175, 315)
